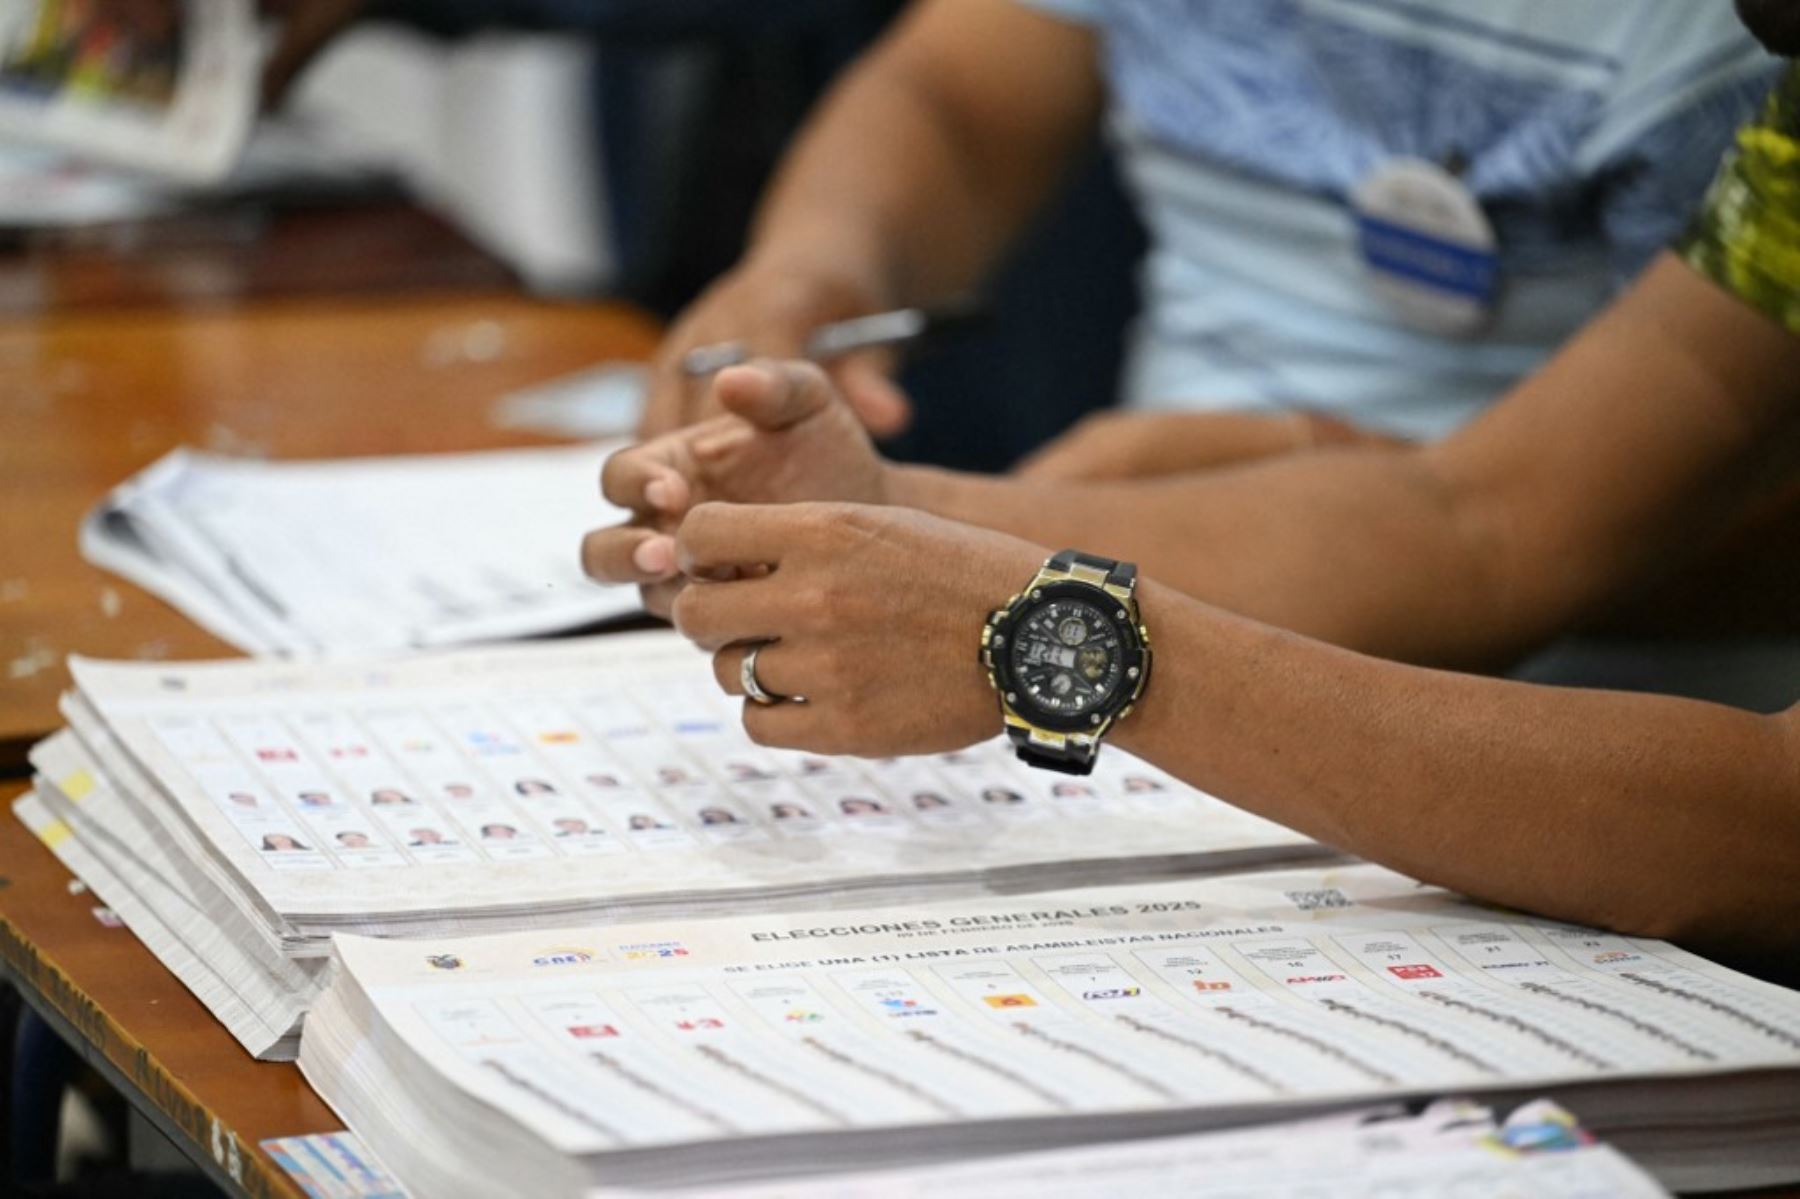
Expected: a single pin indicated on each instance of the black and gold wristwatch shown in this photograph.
(1069, 656)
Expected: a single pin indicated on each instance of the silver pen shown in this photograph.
(898, 327)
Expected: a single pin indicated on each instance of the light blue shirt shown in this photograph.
(1587, 130)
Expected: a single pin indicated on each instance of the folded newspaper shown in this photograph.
(348, 556)
(169, 86)
(237, 814)
(699, 1053)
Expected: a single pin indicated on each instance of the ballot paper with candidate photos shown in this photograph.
(237, 814)
(692, 1053)
(521, 783)
(168, 86)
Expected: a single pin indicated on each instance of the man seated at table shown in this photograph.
(1292, 162)
(1675, 409)
(1261, 141)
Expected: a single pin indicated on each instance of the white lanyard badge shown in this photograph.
(1429, 249)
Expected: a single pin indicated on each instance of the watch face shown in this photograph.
(1066, 657)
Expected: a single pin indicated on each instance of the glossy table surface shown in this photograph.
(87, 400)
(88, 396)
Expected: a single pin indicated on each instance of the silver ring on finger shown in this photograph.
(752, 687)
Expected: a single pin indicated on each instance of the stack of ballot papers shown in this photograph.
(310, 558)
(682, 1053)
(1453, 1148)
(237, 814)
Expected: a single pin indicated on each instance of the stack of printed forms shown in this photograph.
(703, 1053)
(237, 814)
(343, 556)
(1453, 1147)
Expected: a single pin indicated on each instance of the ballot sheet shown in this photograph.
(610, 774)
(169, 86)
(129, 862)
(696, 1051)
(365, 554)
(1453, 1147)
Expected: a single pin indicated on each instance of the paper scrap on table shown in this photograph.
(601, 401)
(333, 1165)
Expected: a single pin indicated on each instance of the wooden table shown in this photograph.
(139, 1027)
(86, 400)
(233, 251)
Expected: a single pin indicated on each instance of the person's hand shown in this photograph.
(307, 27)
(873, 614)
(1114, 444)
(786, 436)
(771, 311)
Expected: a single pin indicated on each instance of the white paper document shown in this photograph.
(365, 554)
(1452, 1148)
(235, 814)
(699, 1052)
(169, 86)
(188, 922)
(609, 773)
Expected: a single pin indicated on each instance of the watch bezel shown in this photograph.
(1133, 654)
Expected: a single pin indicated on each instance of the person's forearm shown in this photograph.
(1640, 439)
(1358, 547)
(1646, 814)
(910, 179)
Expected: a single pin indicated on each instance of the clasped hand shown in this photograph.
(776, 525)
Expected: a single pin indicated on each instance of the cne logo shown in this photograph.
(1202, 984)
(559, 737)
(563, 956)
(1002, 1001)
(277, 755)
(1315, 978)
(1415, 970)
(653, 949)
(1614, 955)
(1114, 993)
(802, 1016)
(443, 961)
(706, 1022)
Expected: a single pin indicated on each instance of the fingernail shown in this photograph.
(655, 556)
(657, 493)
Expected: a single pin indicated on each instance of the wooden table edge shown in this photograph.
(128, 1065)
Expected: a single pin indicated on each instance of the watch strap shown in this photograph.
(1068, 758)
(1101, 572)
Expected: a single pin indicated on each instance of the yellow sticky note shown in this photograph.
(77, 786)
(55, 833)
